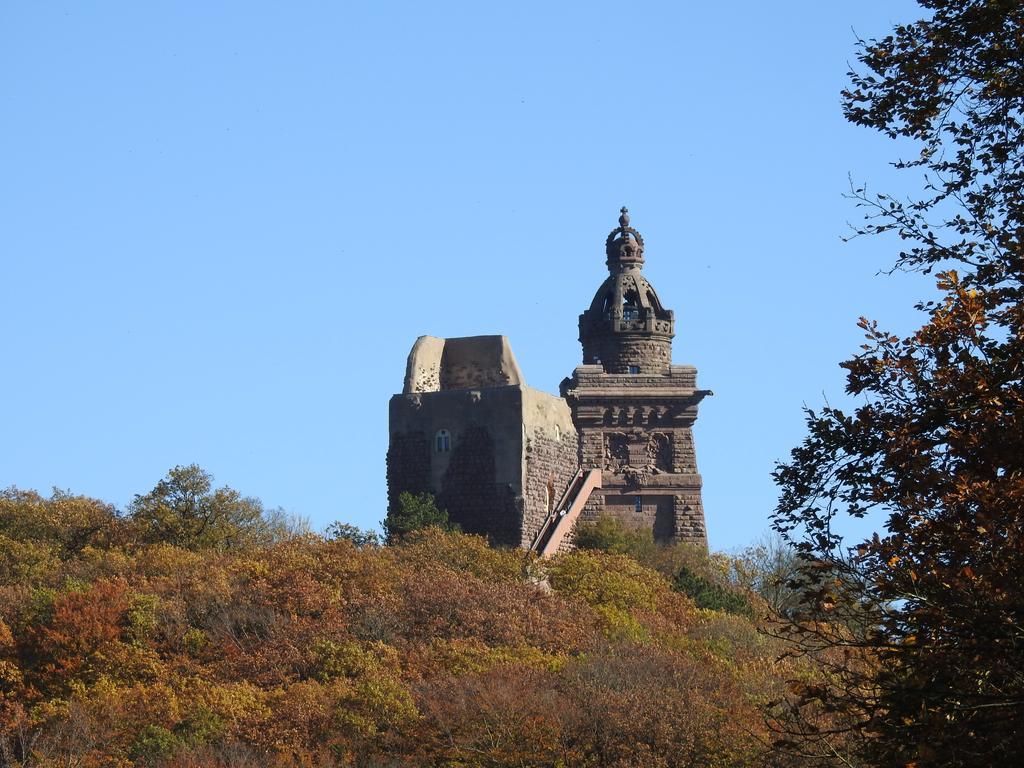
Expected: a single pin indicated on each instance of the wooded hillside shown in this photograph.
(117, 648)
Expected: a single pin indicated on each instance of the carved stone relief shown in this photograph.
(616, 451)
(659, 452)
(638, 451)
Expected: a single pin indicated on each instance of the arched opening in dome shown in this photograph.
(630, 305)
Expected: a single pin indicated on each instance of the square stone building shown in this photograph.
(524, 467)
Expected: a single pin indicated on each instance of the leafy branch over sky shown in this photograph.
(929, 613)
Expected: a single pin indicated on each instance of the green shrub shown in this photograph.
(202, 726)
(142, 617)
(703, 578)
(707, 594)
(413, 513)
(153, 745)
(611, 535)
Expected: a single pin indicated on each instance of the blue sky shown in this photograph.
(223, 225)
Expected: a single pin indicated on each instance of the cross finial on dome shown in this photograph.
(624, 217)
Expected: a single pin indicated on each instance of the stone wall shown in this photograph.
(550, 465)
(688, 513)
(656, 513)
(471, 493)
(478, 478)
(638, 429)
(681, 377)
(650, 354)
(470, 362)
(507, 444)
(499, 410)
(684, 453)
(408, 465)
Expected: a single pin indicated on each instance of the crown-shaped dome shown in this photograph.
(626, 328)
(627, 294)
(624, 246)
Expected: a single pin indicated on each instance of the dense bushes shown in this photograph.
(116, 649)
(719, 582)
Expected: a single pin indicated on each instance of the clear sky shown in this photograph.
(223, 225)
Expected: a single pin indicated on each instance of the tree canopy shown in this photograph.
(312, 651)
(414, 512)
(185, 510)
(929, 612)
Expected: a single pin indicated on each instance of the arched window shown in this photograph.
(558, 432)
(442, 441)
(630, 305)
(638, 504)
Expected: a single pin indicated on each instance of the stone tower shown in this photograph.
(633, 409)
(496, 453)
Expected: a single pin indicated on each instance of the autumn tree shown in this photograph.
(185, 510)
(769, 568)
(921, 627)
(339, 531)
(37, 532)
(315, 652)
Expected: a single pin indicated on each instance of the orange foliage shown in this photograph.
(441, 651)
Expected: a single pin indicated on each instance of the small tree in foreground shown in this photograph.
(609, 534)
(412, 513)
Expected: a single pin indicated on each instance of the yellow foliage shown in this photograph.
(438, 651)
(460, 656)
(463, 553)
(613, 581)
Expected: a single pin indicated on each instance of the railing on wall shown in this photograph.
(563, 516)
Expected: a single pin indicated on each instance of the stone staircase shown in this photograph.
(563, 516)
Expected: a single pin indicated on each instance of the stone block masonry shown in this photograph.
(408, 465)
(492, 451)
(550, 465)
(633, 410)
(471, 492)
(498, 455)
